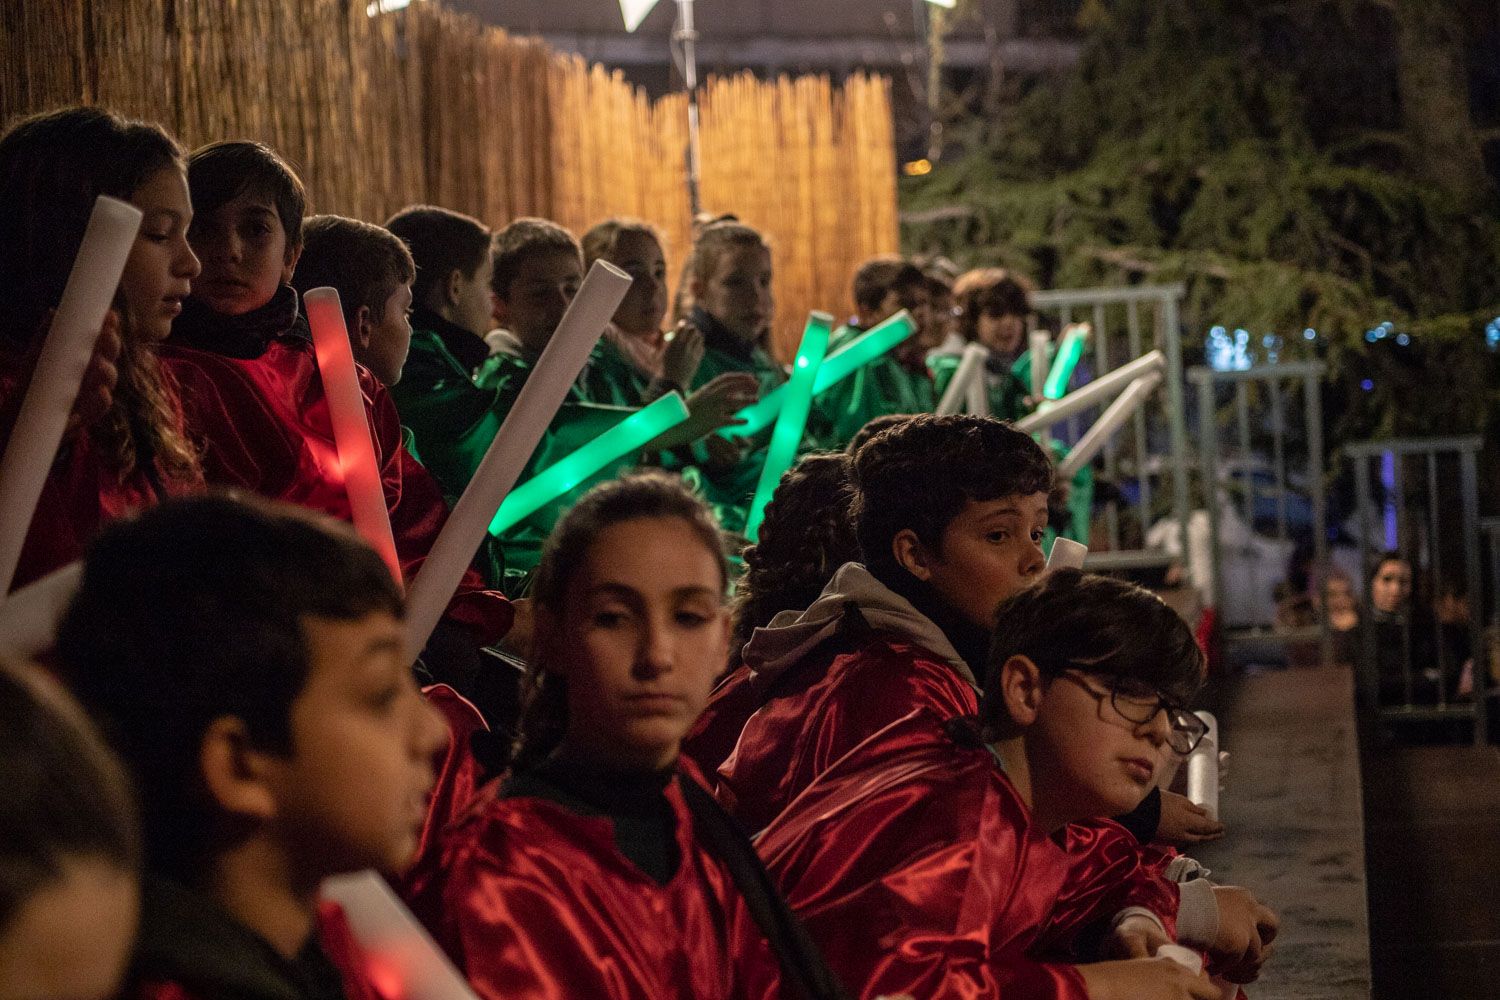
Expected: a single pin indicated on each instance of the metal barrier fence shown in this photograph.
(1411, 664)
(1262, 404)
(1127, 323)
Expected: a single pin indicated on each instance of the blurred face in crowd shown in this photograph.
(738, 290)
(645, 305)
(539, 295)
(1390, 590)
(1002, 334)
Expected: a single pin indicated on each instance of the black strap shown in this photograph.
(802, 965)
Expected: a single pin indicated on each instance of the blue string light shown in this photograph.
(1367, 385)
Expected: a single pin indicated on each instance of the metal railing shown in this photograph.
(1263, 423)
(1422, 501)
(1127, 323)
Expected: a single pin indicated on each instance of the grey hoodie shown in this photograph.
(791, 635)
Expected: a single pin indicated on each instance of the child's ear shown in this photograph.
(453, 288)
(1021, 688)
(363, 329)
(233, 771)
(912, 555)
(293, 254)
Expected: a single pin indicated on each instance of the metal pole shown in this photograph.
(1208, 446)
(1469, 474)
(687, 35)
(1177, 413)
(1313, 403)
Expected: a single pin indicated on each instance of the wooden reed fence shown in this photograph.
(426, 105)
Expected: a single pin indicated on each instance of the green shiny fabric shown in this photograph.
(883, 386)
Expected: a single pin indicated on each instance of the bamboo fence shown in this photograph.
(426, 105)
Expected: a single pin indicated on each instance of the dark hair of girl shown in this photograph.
(66, 797)
(52, 168)
(806, 536)
(638, 496)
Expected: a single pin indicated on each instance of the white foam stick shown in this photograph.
(60, 367)
(29, 619)
(1203, 768)
(351, 425)
(1096, 393)
(1185, 957)
(970, 369)
(1066, 554)
(1040, 343)
(1108, 425)
(393, 941)
(977, 399)
(544, 391)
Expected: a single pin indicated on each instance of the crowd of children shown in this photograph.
(880, 752)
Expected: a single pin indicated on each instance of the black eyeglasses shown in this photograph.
(1139, 706)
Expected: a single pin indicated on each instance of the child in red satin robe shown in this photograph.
(963, 857)
(597, 867)
(254, 399)
(948, 512)
(125, 446)
(246, 660)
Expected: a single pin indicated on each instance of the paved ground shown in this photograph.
(1292, 803)
(1433, 824)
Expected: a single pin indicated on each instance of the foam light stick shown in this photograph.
(1097, 392)
(351, 425)
(792, 419)
(1066, 554)
(545, 389)
(1108, 425)
(404, 962)
(848, 359)
(977, 399)
(631, 434)
(1041, 349)
(60, 367)
(970, 369)
(1203, 768)
(1069, 353)
(29, 618)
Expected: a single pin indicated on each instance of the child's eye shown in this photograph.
(692, 619)
(608, 619)
(386, 697)
(997, 536)
(1036, 536)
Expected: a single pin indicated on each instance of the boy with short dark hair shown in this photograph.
(972, 853)
(252, 394)
(373, 272)
(246, 661)
(897, 382)
(948, 513)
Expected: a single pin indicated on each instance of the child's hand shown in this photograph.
(716, 404)
(683, 354)
(723, 454)
(1134, 937)
(1182, 822)
(1145, 979)
(1246, 929)
(97, 391)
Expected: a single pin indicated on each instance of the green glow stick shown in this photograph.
(630, 434)
(874, 342)
(1069, 352)
(792, 419)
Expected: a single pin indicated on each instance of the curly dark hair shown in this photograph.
(922, 472)
(805, 537)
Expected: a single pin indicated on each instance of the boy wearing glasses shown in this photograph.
(968, 857)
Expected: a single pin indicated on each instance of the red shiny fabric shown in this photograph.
(263, 425)
(361, 975)
(459, 775)
(915, 866)
(535, 902)
(784, 736)
(80, 496)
